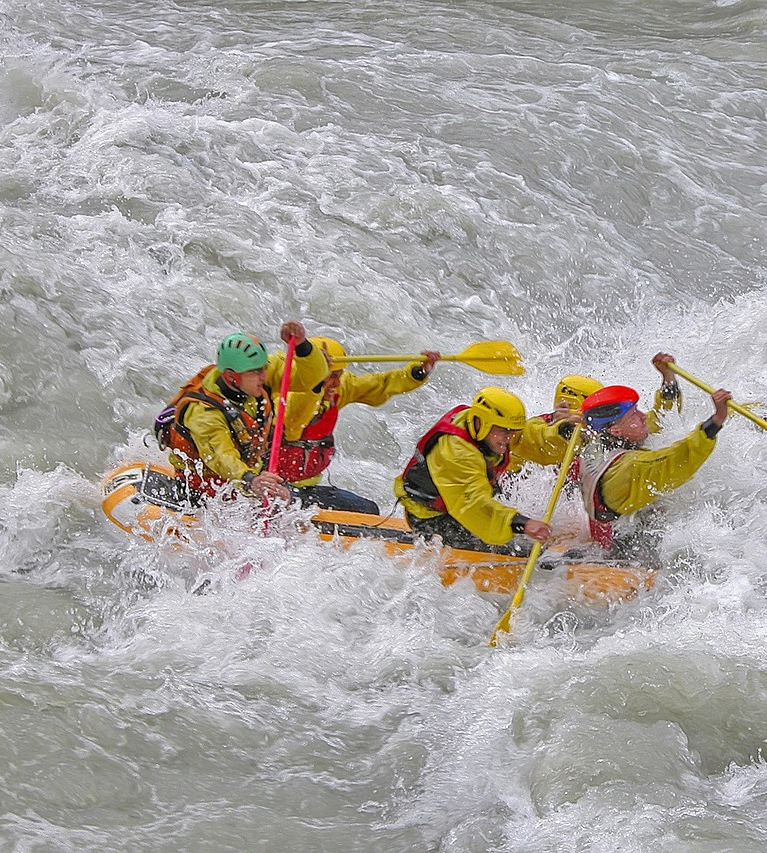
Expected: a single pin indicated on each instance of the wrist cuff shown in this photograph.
(304, 348)
(669, 390)
(518, 523)
(710, 428)
(418, 373)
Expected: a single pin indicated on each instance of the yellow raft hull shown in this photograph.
(140, 498)
(495, 573)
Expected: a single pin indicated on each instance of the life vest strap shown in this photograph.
(416, 479)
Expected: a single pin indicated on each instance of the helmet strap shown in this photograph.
(475, 425)
(229, 389)
(614, 442)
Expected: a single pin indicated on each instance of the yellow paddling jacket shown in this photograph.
(459, 470)
(309, 408)
(666, 398)
(616, 482)
(211, 432)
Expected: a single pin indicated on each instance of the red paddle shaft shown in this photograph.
(280, 419)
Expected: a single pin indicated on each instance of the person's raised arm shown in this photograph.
(720, 398)
(660, 362)
(292, 328)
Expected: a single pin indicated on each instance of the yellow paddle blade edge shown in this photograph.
(499, 358)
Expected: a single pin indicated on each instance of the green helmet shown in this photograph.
(240, 352)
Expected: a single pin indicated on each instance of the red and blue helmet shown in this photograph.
(608, 405)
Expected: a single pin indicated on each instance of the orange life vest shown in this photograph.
(416, 479)
(249, 434)
(311, 454)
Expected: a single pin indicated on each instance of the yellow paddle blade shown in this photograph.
(504, 623)
(497, 357)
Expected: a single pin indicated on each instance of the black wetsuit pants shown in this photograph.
(457, 536)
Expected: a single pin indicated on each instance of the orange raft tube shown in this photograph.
(142, 499)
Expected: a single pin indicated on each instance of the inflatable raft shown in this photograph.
(143, 499)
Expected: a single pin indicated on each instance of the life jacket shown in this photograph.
(249, 434)
(595, 459)
(416, 479)
(311, 454)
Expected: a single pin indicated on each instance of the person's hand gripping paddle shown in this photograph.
(504, 623)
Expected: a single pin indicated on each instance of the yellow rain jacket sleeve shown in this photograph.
(639, 476)
(662, 406)
(306, 374)
(538, 442)
(459, 472)
(372, 389)
(210, 430)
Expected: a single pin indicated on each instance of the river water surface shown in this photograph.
(586, 180)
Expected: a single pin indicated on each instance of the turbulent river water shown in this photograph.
(586, 180)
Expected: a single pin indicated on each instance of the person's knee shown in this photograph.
(341, 500)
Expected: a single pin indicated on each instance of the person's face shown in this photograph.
(250, 382)
(498, 439)
(331, 385)
(632, 426)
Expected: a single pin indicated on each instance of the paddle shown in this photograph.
(274, 453)
(504, 623)
(736, 407)
(279, 421)
(498, 357)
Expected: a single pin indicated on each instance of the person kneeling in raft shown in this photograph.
(217, 427)
(618, 476)
(449, 487)
(308, 445)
